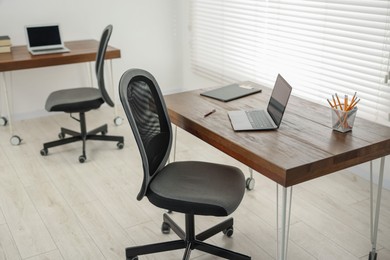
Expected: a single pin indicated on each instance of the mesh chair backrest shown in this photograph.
(148, 117)
(99, 66)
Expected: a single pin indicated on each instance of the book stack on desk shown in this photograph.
(5, 44)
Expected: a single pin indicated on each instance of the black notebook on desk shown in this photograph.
(231, 92)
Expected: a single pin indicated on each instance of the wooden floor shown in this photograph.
(53, 207)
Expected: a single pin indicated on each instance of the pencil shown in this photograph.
(354, 104)
(330, 103)
(209, 113)
(338, 100)
(354, 97)
(334, 101)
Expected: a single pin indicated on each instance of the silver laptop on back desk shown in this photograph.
(44, 39)
(259, 119)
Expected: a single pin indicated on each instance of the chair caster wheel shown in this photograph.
(228, 232)
(132, 258)
(44, 152)
(104, 132)
(165, 228)
(118, 120)
(82, 158)
(250, 183)
(15, 140)
(3, 121)
(61, 135)
(120, 145)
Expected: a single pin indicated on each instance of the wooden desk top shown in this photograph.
(80, 51)
(303, 148)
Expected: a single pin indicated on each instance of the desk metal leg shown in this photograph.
(90, 69)
(3, 119)
(117, 120)
(174, 143)
(283, 220)
(172, 157)
(14, 140)
(374, 219)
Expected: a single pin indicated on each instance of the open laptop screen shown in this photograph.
(43, 36)
(279, 98)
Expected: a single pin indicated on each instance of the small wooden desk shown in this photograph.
(20, 58)
(304, 147)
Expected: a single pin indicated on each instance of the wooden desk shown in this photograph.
(80, 51)
(304, 147)
(20, 58)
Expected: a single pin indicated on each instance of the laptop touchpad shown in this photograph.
(239, 120)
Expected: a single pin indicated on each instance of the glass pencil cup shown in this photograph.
(342, 121)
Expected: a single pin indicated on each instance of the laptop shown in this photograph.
(260, 119)
(44, 39)
(231, 92)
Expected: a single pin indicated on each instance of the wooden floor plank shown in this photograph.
(68, 233)
(53, 255)
(26, 226)
(8, 250)
(109, 236)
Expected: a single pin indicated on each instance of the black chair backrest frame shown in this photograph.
(99, 65)
(148, 117)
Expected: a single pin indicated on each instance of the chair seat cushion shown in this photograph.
(199, 188)
(74, 100)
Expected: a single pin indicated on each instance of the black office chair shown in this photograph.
(189, 187)
(81, 100)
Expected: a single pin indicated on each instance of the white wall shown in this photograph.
(144, 30)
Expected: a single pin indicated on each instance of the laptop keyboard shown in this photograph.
(51, 49)
(259, 119)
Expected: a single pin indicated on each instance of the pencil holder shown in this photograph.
(342, 121)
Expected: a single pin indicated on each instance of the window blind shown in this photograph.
(320, 47)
